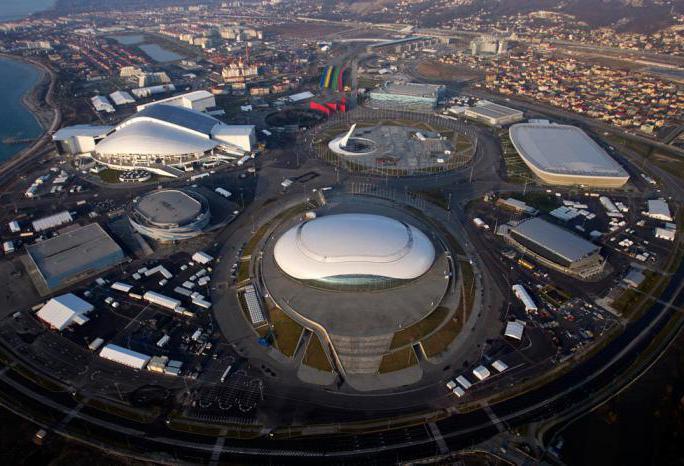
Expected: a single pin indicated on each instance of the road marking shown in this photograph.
(71, 414)
(218, 449)
(437, 435)
(498, 423)
(136, 317)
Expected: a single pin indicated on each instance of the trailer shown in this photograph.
(223, 192)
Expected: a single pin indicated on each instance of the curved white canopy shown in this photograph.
(354, 244)
(151, 137)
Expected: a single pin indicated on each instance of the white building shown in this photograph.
(241, 136)
(196, 100)
(659, 210)
(493, 114)
(164, 139)
(515, 329)
(121, 98)
(481, 372)
(522, 294)
(565, 155)
(665, 233)
(124, 356)
(354, 250)
(101, 104)
(62, 311)
(79, 139)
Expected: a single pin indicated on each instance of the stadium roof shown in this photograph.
(554, 238)
(354, 245)
(492, 110)
(410, 89)
(152, 137)
(169, 206)
(179, 116)
(233, 130)
(81, 130)
(563, 149)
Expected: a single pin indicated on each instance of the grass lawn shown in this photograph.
(631, 301)
(110, 176)
(261, 231)
(468, 287)
(315, 355)
(397, 360)
(420, 329)
(439, 341)
(287, 331)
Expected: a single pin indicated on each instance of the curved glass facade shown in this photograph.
(355, 282)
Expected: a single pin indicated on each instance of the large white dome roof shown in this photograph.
(354, 244)
(150, 137)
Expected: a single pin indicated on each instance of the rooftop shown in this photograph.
(169, 206)
(81, 130)
(74, 255)
(410, 89)
(559, 240)
(179, 116)
(563, 149)
(493, 110)
(354, 244)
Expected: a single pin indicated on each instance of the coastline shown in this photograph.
(43, 109)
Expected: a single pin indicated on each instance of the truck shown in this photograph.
(223, 192)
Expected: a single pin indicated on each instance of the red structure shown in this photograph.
(318, 107)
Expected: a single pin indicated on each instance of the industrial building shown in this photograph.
(102, 104)
(354, 250)
(659, 210)
(121, 98)
(556, 247)
(73, 256)
(161, 138)
(515, 329)
(143, 92)
(565, 155)
(62, 311)
(170, 214)
(196, 100)
(488, 45)
(493, 114)
(407, 96)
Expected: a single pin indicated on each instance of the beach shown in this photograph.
(38, 100)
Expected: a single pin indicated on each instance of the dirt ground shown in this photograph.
(445, 72)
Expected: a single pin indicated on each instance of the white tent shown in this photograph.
(62, 311)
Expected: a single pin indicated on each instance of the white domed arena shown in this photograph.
(354, 252)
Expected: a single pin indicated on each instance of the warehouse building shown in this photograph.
(565, 155)
(556, 247)
(493, 114)
(407, 96)
(659, 210)
(73, 256)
